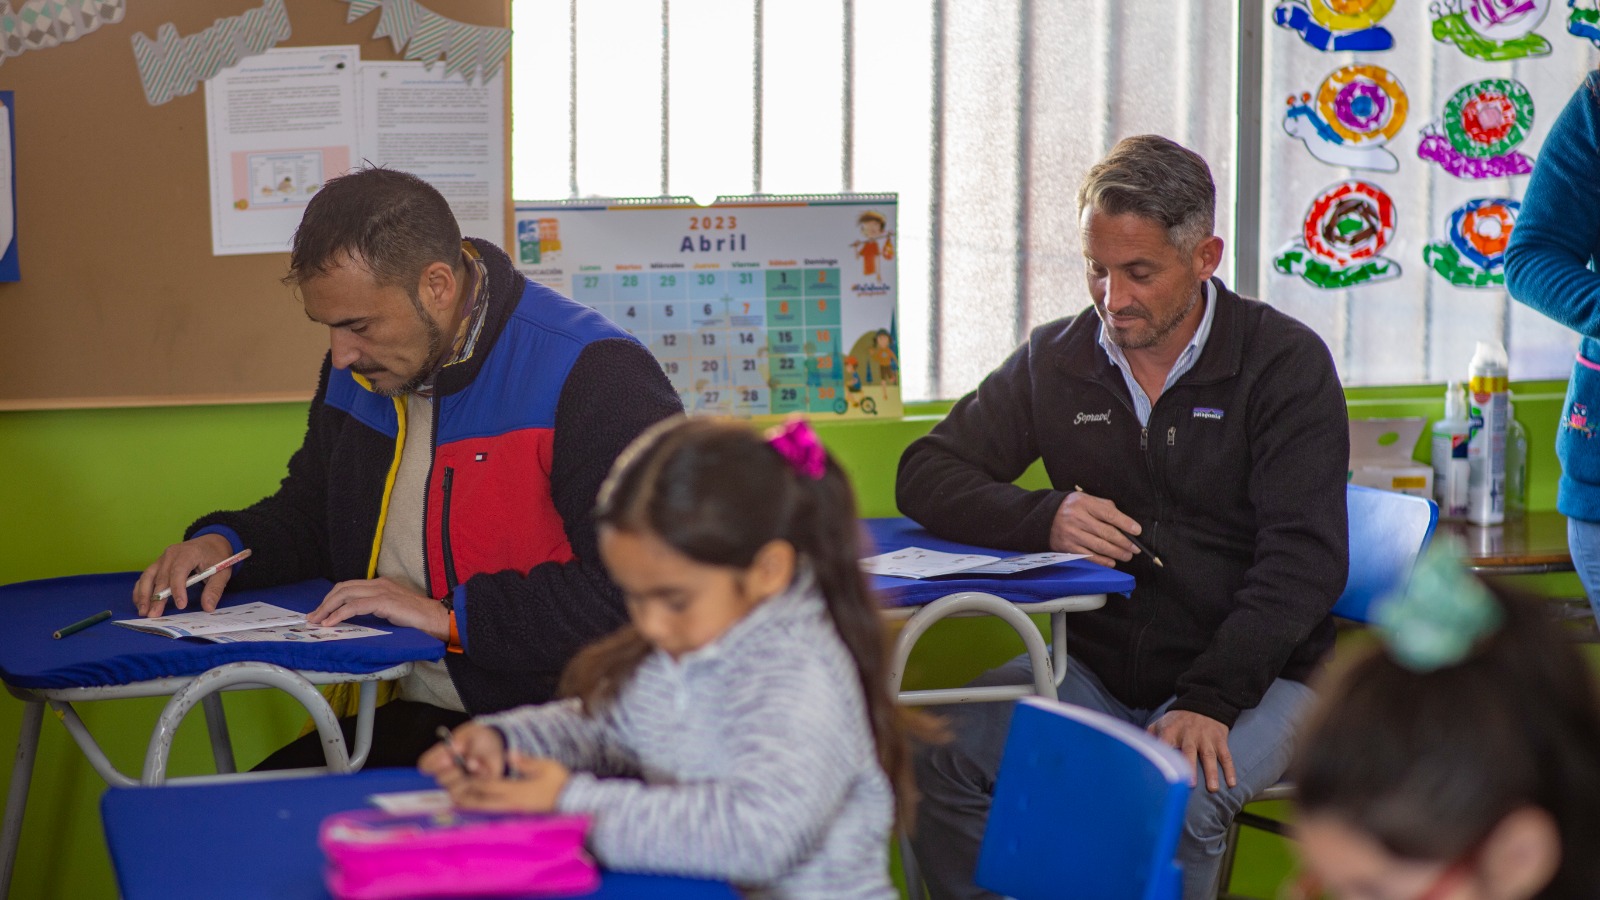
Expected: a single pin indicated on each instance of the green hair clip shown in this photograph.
(1434, 620)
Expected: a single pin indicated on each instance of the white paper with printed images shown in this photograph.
(919, 562)
(248, 622)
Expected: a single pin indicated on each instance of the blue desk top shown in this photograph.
(1063, 580)
(258, 839)
(106, 654)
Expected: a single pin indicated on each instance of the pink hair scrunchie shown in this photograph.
(798, 445)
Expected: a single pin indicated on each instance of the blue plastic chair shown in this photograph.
(1388, 531)
(1085, 806)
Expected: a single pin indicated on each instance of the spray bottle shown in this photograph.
(1450, 467)
(1516, 464)
(1489, 386)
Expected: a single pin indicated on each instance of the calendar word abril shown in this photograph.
(769, 307)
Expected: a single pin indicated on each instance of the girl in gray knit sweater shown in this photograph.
(741, 727)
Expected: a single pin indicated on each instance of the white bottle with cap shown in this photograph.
(1451, 469)
(1489, 392)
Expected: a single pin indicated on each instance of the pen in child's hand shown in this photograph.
(444, 738)
(1136, 542)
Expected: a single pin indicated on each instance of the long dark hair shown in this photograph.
(717, 493)
(1428, 763)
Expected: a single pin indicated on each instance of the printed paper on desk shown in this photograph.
(412, 802)
(247, 622)
(918, 562)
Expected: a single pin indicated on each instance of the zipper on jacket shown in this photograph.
(1172, 436)
(1144, 437)
(427, 489)
(444, 529)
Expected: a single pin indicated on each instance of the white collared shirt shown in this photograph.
(1184, 362)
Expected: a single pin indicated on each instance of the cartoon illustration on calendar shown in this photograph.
(753, 306)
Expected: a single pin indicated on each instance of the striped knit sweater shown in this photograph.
(749, 760)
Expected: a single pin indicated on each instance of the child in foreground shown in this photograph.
(741, 727)
(1459, 760)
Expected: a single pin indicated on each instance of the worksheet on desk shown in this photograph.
(918, 562)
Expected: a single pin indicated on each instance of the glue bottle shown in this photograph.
(1489, 387)
(1450, 466)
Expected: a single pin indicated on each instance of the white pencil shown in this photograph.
(198, 577)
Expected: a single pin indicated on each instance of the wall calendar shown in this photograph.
(753, 306)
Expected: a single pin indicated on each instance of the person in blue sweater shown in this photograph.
(1549, 267)
(740, 727)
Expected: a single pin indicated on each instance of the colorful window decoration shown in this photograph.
(1491, 29)
(1341, 244)
(1473, 253)
(1337, 25)
(1482, 124)
(1354, 113)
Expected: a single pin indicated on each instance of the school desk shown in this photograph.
(1530, 544)
(245, 840)
(107, 661)
(1057, 590)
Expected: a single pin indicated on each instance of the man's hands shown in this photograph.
(174, 567)
(535, 785)
(1201, 738)
(384, 598)
(1093, 525)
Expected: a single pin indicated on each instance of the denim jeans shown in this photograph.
(1583, 539)
(957, 779)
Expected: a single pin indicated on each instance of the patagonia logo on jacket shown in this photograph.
(1103, 418)
(1206, 412)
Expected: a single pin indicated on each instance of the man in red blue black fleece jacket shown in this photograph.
(462, 427)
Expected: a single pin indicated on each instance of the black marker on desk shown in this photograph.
(78, 626)
(1136, 542)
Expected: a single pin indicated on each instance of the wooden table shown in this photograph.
(1531, 544)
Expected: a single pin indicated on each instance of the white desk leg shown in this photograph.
(217, 727)
(231, 675)
(17, 798)
(366, 704)
(1044, 682)
(1058, 646)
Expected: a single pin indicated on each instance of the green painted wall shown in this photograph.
(105, 490)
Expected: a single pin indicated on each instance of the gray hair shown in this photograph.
(1155, 178)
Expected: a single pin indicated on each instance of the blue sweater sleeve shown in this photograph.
(1558, 229)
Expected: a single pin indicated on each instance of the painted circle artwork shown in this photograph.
(1363, 103)
(1349, 15)
(1488, 117)
(1480, 230)
(1504, 20)
(1349, 222)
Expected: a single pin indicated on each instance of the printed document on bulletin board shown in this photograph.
(282, 123)
(448, 132)
(278, 126)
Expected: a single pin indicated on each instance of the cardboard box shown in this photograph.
(1380, 456)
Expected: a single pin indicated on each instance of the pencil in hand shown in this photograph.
(1136, 542)
(198, 577)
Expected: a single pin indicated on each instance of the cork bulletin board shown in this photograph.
(121, 301)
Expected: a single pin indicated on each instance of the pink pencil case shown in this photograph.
(374, 855)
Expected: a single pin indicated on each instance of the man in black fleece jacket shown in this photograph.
(463, 424)
(1212, 427)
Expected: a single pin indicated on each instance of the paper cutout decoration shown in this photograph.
(1483, 121)
(1584, 20)
(1473, 253)
(171, 66)
(1341, 244)
(1356, 111)
(42, 24)
(421, 35)
(1334, 25)
(1491, 29)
